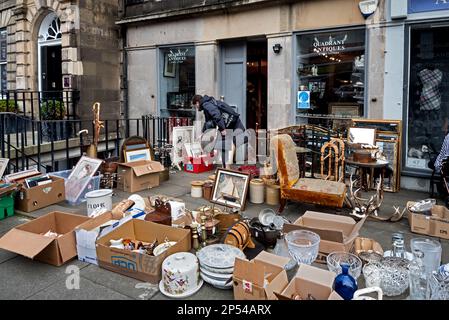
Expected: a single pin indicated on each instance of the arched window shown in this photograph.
(50, 28)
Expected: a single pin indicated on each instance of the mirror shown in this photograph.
(362, 136)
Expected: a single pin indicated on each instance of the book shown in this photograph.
(37, 181)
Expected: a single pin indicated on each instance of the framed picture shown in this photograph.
(3, 165)
(80, 177)
(169, 68)
(181, 136)
(13, 177)
(344, 109)
(193, 150)
(137, 155)
(231, 188)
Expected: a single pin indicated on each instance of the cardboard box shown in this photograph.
(28, 239)
(312, 281)
(135, 265)
(88, 232)
(32, 199)
(139, 175)
(436, 225)
(249, 277)
(337, 233)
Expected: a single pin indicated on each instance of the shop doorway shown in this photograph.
(244, 80)
(49, 56)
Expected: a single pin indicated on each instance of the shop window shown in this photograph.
(331, 73)
(177, 81)
(3, 60)
(428, 107)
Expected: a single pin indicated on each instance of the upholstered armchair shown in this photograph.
(308, 190)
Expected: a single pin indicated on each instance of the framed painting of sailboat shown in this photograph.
(231, 188)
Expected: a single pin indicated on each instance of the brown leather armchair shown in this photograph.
(308, 190)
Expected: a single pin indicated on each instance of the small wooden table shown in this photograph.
(366, 171)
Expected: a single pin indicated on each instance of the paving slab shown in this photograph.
(88, 290)
(118, 283)
(207, 292)
(22, 277)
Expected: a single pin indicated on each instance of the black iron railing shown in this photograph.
(51, 145)
(41, 105)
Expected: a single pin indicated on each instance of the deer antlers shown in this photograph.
(364, 207)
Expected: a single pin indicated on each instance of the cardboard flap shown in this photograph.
(24, 243)
(272, 259)
(355, 232)
(249, 271)
(141, 168)
(329, 235)
(67, 247)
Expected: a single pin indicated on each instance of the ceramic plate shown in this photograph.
(162, 247)
(266, 217)
(181, 296)
(216, 283)
(219, 256)
(218, 271)
(216, 276)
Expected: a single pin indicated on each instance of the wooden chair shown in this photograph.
(333, 159)
(308, 190)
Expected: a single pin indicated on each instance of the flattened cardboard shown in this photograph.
(436, 225)
(310, 280)
(139, 175)
(38, 197)
(337, 233)
(249, 277)
(135, 265)
(28, 239)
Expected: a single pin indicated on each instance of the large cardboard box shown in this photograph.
(436, 225)
(309, 280)
(88, 232)
(337, 233)
(135, 265)
(32, 199)
(139, 175)
(28, 239)
(259, 278)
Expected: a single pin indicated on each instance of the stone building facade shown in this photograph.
(64, 45)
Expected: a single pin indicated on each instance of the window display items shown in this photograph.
(430, 94)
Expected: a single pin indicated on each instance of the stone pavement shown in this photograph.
(22, 278)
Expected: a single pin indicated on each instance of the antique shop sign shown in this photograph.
(415, 6)
(331, 45)
(178, 56)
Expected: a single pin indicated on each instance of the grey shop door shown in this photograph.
(233, 76)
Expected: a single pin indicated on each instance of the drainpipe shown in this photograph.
(123, 30)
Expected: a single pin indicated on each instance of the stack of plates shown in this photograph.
(217, 264)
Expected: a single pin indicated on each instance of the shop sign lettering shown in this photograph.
(332, 45)
(178, 56)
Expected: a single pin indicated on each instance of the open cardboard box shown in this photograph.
(259, 278)
(310, 280)
(135, 265)
(28, 239)
(436, 225)
(139, 175)
(337, 233)
(38, 197)
(88, 232)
